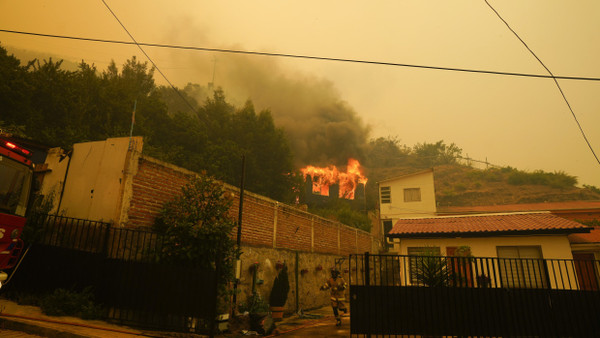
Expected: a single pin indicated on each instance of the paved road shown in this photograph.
(324, 327)
(16, 334)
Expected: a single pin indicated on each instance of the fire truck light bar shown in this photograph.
(17, 148)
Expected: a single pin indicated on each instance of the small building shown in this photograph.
(535, 236)
(411, 195)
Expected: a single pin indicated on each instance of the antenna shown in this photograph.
(212, 84)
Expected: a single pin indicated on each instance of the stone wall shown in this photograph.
(306, 295)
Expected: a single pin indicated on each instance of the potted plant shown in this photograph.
(258, 312)
(279, 294)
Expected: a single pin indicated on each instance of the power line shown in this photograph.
(148, 57)
(553, 78)
(298, 56)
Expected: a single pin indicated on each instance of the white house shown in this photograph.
(508, 237)
(411, 195)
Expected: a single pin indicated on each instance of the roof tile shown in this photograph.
(473, 224)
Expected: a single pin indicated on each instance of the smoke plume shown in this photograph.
(321, 127)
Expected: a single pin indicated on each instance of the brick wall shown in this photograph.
(266, 223)
(154, 184)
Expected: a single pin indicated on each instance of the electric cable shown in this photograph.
(552, 76)
(299, 56)
(148, 57)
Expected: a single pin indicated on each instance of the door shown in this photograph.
(587, 274)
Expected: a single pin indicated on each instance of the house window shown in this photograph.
(522, 267)
(426, 266)
(412, 195)
(386, 195)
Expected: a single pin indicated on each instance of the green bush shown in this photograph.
(70, 303)
(196, 227)
(539, 177)
(592, 188)
(343, 213)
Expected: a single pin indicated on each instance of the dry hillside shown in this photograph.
(459, 185)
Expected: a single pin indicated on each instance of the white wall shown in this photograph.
(400, 209)
(95, 180)
(552, 247)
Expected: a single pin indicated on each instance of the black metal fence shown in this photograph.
(394, 295)
(121, 268)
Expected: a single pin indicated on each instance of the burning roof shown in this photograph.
(323, 177)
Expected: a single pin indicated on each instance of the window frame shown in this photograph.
(521, 271)
(412, 195)
(385, 194)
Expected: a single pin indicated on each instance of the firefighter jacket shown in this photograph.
(338, 288)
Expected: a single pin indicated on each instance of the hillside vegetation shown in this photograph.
(465, 186)
(201, 130)
(458, 183)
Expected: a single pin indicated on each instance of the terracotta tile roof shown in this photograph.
(550, 206)
(486, 225)
(592, 237)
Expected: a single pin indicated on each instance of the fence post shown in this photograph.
(106, 237)
(297, 284)
(213, 318)
(367, 280)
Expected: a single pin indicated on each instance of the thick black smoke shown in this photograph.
(321, 127)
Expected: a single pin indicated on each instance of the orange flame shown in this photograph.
(323, 177)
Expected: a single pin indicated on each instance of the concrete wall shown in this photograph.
(96, 175)
(53, 178)
(309, 295)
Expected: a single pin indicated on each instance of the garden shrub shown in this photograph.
(71, 303)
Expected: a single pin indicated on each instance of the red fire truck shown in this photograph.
(16, 182)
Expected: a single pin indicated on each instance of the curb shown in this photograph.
(17, 325)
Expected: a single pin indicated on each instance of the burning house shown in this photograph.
(324, 185)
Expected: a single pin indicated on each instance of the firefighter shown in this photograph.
(337, 284)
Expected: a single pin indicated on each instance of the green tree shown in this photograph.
(432, 154)
(196, 226)
(386, 152)
(14, 90)
(59, 108)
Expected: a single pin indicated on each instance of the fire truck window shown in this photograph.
(14, 187)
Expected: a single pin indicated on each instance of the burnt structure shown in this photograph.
(317, 200)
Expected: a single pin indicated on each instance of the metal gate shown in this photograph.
(119, 267)
(427, 295)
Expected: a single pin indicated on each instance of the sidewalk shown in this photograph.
(30, 319)
(316, 323)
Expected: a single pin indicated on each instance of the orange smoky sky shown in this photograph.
(521, 122)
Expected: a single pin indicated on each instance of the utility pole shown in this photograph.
(238, 266)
